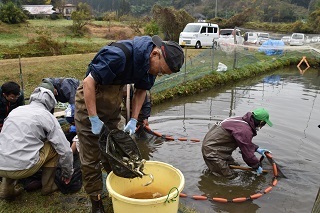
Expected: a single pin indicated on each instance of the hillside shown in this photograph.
(271, 10)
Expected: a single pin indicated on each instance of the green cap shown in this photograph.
(47, 84)
(262, 114)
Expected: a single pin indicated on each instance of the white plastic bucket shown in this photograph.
(168, 181)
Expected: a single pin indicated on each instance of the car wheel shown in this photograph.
(198, 45)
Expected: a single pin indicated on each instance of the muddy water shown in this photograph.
(294, 105)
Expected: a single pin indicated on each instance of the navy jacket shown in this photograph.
(109, 64)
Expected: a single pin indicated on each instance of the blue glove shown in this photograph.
(259, 170)
(96, 124)
(131, 126)
(73, 128)
(262, 151)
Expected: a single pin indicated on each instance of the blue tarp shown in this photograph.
(272, 79)
(272, 47)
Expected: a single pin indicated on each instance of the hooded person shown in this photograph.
(224, 137)
(32, 139)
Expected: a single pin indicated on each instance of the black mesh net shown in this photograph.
(122, 153)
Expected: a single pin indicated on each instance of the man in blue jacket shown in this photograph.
(224, 137)
(99, 97)
(65, 91)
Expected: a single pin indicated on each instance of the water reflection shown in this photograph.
(293, 103)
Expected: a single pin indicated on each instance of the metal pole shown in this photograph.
(128, 104)
(212, 56)
(216, 9)
(21, 79)
(185, 64)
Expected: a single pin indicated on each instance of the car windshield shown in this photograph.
(192, 28)
(264, 35)
(226, 32)
(297, 36)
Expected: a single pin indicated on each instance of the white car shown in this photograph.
(286, 39)
(256, 37)
(298, 39)
(315, 39)
(227, 36)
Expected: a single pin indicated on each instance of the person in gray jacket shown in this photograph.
(224, 137)
(32, 139)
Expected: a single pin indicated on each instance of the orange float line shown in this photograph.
(219, 199)
(194, 140)
(239, 199)
(199, 197)
(182, 139)
(267, 190)
(256, 196)
(169, 138)
(274, 182)
(157, 134)
(183, 195)
(148, 128)
(275, 169)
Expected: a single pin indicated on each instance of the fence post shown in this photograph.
(185, 63)
(212, 56)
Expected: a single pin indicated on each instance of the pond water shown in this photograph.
(293, 103)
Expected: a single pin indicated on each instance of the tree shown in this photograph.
(151, 28)
(314, 20)
(35, 2)
(12, 14)
(124, 8)
(80, 17)
(171, 21)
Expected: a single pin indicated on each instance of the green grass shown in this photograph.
(38, 37)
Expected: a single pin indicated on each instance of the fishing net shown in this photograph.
(122, 153)
(204, 61)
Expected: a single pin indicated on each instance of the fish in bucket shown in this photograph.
(122, 153)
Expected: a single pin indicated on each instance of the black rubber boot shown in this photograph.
(97, 205)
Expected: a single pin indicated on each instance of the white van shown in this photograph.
(198, 35)
(297, 39)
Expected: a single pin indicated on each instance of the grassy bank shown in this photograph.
(44, 37)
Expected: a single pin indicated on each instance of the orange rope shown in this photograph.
(169, 137)
(242, 199)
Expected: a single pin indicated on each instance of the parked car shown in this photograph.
(286, 40)
(315, 39)
(256, 37)
(298, 39)
(227, 36)
(262, 37)
(198, 35)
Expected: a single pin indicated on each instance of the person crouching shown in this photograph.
(32, 139)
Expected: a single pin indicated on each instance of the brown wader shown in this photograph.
(217, 148)
(108, 100)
